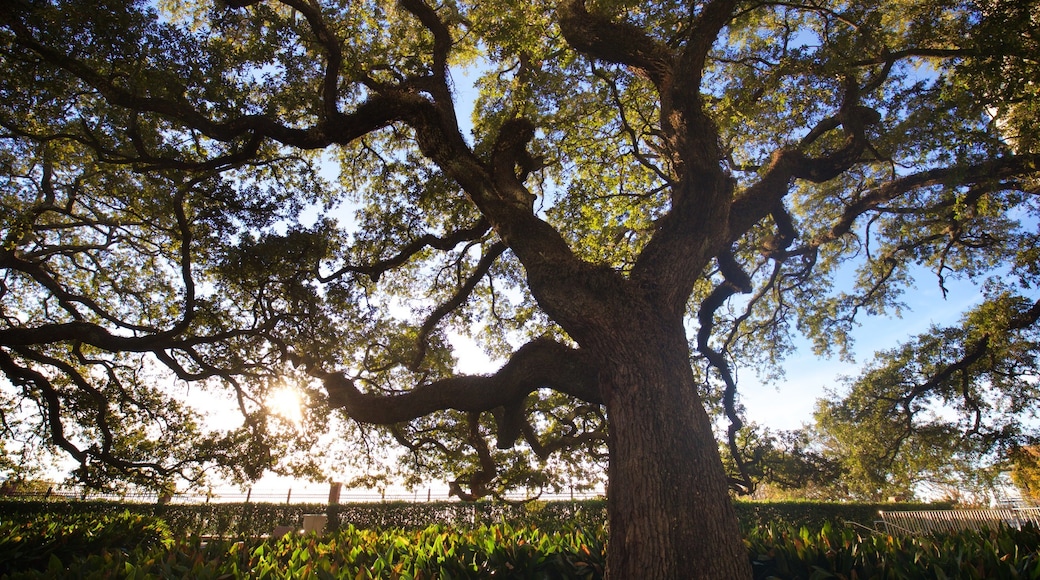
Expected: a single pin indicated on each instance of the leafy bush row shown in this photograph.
(57, 540)
(844, 553)
(499, 551)
(125, 545)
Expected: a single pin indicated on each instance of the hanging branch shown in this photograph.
(736, 280)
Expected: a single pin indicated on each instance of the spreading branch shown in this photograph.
(542, 363)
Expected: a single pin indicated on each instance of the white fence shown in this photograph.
(931, 521)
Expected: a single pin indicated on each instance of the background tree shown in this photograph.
(945, 409)
(787, 465)
(171, 223)
(1025, 471)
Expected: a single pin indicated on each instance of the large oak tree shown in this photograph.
(168, 210)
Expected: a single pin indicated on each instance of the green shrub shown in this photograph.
(783, 552)
(124, 545)
(49, 540)
(499, 551)
(815, 514)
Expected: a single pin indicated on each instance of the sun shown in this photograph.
(287, 403)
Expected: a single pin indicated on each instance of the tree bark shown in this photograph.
(670, 512)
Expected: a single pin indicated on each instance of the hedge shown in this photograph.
(255, 519)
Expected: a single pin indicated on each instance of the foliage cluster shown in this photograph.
(1025, 471)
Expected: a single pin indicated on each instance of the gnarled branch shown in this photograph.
(542, 363)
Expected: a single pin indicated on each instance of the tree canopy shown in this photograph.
(235, 196)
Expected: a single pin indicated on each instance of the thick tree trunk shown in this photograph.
(671, 515)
